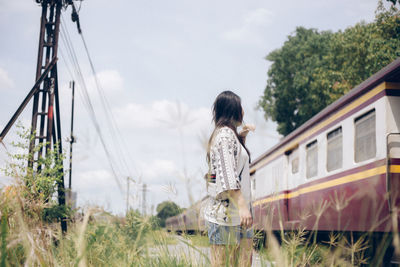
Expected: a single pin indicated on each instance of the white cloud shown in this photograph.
(158, 168)
(5, 81)
(99, 188)
(164, 114)
(252, 28)
(90, 180)
(110, 81)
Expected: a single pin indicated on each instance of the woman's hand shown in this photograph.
(246, 220)
(246, 129)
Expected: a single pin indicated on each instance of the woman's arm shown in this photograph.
(246, 219)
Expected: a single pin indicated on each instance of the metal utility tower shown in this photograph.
(46, 123)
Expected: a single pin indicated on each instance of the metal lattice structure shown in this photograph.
(46, 122)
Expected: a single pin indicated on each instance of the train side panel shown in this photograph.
(352, 197)
(271, 180)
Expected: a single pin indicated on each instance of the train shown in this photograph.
(339, 171)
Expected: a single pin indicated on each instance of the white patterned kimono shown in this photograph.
(229, 163)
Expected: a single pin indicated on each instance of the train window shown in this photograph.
(312, 159)
(335, 150)
(295, 165)
(365, 139)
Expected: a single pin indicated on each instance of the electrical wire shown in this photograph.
(87, 101)
(116, 135)
(114, 129)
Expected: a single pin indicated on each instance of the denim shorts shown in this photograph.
(227, 235)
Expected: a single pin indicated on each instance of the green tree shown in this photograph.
(314, 68)
(393, 1)
(167, 209)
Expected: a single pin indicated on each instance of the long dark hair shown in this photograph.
(227, 111)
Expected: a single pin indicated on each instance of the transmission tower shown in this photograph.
(46, 123)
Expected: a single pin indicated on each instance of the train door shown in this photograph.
(392, 170)
(293, 179)
(393, 152)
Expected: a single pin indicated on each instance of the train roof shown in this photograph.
(390, 73)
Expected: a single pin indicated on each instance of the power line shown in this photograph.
(87, 101)
(117, 136)
(105, 105)
(114, 131)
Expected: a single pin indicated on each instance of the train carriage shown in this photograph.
(190, 221)
(340, 170)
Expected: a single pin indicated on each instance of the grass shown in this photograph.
(27, 240)
(198, 240)
(160, 237)
(131, 241)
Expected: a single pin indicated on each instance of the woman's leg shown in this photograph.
(220, 254)
(224, 255)
(246, 252)
(224, 242)
(217, 255)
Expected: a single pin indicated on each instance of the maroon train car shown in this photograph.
(189, 221)
(340, 171)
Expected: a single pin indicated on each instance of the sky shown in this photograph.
(160, 64)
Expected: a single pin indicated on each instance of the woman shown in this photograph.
(228, 211)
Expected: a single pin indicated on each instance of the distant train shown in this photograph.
(340, 171)
(190, 221)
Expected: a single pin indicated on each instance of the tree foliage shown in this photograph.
(393, 1)
(314, 68)
(167, 209)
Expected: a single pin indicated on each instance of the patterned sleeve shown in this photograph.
(226, 150)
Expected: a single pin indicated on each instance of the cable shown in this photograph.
(113, 128)
(110, 117)
(116, 135)
(87, 102)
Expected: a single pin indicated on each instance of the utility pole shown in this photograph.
(144, 199)
(71, 196)
(46, 123)
(72, 137)
(127, 194)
